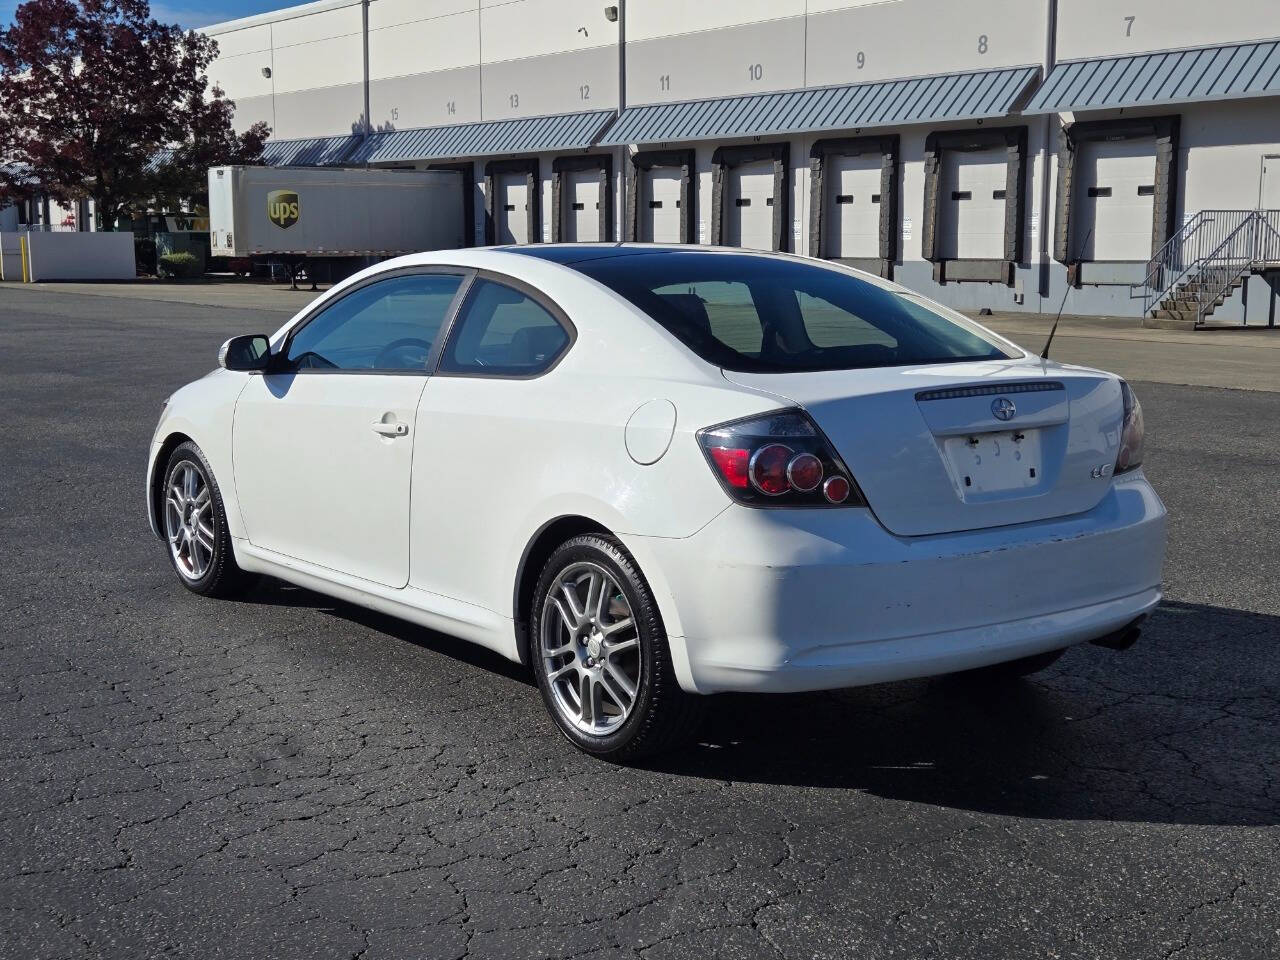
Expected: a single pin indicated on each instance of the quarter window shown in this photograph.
(387, 326)
(503, 332)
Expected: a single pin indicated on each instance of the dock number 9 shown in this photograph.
(862, 59)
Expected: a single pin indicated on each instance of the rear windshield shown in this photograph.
(767, 315)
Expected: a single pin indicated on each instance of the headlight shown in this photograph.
(1131, 433)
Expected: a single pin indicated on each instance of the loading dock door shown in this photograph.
(748, 207)
(971, 204)
(1115, 200)
(853, 200)
(582, 206)
(511, 208)
(660, 205)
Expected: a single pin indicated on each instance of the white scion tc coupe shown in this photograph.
(657, 472)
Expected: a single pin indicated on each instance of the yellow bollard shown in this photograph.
(23, 253)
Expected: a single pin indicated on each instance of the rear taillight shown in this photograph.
(1132, 433)
(779, 460)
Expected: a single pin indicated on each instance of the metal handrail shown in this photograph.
(1255, 243)
(1159, 265)
(1186, 250)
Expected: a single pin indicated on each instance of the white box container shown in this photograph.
(318, 212)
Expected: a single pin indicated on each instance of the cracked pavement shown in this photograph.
(288, 776)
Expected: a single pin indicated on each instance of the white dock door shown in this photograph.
(1115, 200)
(659, 201)
(582, 206)
(971, 204)
(511, 209)
(748, 210)
(852, 215)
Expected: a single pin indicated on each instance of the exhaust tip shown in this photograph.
(1124, 638)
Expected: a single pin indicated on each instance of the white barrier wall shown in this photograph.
(80, 256)
(11, 256)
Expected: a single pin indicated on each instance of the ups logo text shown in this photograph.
(283, 208)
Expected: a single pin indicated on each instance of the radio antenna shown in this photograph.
(1044, 354)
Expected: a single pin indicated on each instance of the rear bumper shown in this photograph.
(789, 600)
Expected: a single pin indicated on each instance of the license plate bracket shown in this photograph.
(983, 464)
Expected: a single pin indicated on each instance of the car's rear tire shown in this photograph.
(1014, 669)
(193, 522)
(595, 630)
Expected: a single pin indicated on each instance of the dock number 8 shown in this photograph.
(982, 43)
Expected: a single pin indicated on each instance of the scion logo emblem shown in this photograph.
(283, 208)
(1002, 408)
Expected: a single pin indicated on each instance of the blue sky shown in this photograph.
(189, 13)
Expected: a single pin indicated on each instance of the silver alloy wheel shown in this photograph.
(590, 649)
(188, 520)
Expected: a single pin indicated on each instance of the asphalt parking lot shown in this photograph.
(290, 777)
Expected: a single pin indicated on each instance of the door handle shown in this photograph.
(393, 429)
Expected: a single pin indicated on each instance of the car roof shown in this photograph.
(568, 254)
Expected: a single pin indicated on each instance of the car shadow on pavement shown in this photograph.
(272, 592)
(1182, 728)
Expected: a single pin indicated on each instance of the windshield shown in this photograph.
(769, 315)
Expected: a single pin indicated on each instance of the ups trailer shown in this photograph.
(331, 221)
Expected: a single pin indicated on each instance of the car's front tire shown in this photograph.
(600, 654)
(194, 524)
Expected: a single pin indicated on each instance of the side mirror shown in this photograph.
(251, 352)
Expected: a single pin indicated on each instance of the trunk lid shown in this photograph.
(931, 452)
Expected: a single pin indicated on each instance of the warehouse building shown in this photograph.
(995, 153)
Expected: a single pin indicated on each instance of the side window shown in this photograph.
(722, 308)
(388, 325)
(503, 332)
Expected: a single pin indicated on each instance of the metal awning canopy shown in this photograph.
(311, 152)
(957, 96)
(564, 131)
(1198, 75)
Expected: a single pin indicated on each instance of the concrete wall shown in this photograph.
(682, 51)
(456, 61)
(430, 62)
(1103, 28)
(1223, 146)
(315, 55)
(81, 256)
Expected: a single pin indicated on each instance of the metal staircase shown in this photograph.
(1204, 263)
